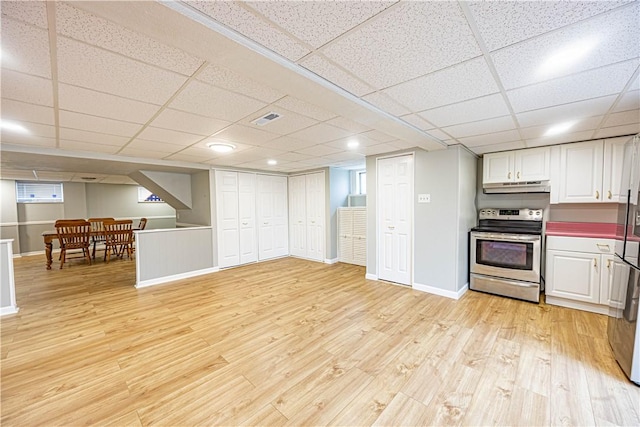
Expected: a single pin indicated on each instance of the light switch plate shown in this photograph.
(424, 198)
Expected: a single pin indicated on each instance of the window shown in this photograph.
(361, 179)
(39, 192)
(146, 196)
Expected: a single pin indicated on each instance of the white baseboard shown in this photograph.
(370, 276)
(331, 261)
(441, 292)
(5, 311)
(577, 305)
(172, 278)
(17, 255)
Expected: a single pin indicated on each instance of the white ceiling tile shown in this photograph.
(615, 38)
(328, 70)
(196, 153)
(464, 81)
(481, 127)
(38, 129)
(304, 108)
(16, 174)
(26, 88)
(115, 179)
(376, 135)
(383, 52)
(92, 137)
(25, 48)
(491, 138)
(88, 147)
(347, 124)
(402, 145)
(184, 157)
(262, 165)
(618, 131)
(321, 133)
(78, 177)
(204, 99)
(583, 124)
(235, 16)
(289, 144)
(225, 78)
(417, 121)
(504, 23)
(83, 26)
(21, 111)
(288, 122)
(493, 148)
(439, 134)
(292, 157)
(26, 139)
(377, 149)
(244, 135)
(32, 12)
(319, 150)
(629, 101)
(344, 155)
(566, 112)
(468, 111)
(73, 98)
(169, 136)
(623, 118)
(385, 103)
(154, 146)
(314, 162)
(54, 175)
(93, 68)
(186, 122)
(362, 140)
(316, 23)
(635, 85)
(142, 153)
(560, 139)
(69, 119)
(589, 84)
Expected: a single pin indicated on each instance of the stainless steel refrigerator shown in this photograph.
(623, 330)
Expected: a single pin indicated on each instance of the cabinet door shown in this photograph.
(581, 172)
(573, 275)
(227, 218)
(532, 164)
(297, 216)
(606, 279)
(315, 216)
(247, 216)
(280, 216)
(612, 173)
(498, 167)
(345, 235)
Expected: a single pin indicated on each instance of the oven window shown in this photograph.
(513, 255)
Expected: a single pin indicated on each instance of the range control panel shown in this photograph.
(524, 214)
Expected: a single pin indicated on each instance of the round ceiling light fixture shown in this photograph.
(220, 147)
(353, 144)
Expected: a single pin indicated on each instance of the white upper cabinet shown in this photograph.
(517, 166)
(612, 169)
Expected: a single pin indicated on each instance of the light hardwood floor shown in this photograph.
(293, 342)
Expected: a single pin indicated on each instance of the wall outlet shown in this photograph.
(424, 198)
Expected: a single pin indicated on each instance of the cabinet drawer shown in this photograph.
(581, 244)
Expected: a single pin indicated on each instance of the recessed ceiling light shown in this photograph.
(13, 127)
(220, 147)
(272, 162)
(565, 57)
(559, 128)
(353, 144)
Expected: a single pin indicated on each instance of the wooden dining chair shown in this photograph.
(73, 234)
(97, 233)
(142, 224)
(118, 237)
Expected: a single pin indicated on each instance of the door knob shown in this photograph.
(518, 175)
(391, 227)
(509, 175)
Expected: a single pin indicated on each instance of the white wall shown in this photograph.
(201, 195)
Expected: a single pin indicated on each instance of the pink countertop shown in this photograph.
(581, 229)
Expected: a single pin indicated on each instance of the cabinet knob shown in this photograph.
(595, 263)
(609, 194)
(391, 227)
(518, 176)
(509, 176)
(597, 195)
(609, 264)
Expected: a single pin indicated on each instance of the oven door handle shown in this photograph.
(507, 237)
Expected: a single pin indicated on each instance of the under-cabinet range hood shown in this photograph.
(517, 187)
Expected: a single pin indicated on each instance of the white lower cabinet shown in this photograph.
(579, 272)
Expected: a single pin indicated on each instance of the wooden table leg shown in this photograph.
(48, 247)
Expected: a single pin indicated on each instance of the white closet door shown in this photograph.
(280, 216)
(227, 213)
(395, 177)
(247, 215)
(297, 216)
(266, 244)
(359, 236)
(315, 216)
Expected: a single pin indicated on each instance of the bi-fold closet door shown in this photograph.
(252, 225)
(307, 215)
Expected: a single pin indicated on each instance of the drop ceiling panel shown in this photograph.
(439, 134)
(224, 78)
(376, 135)
(319, 150)
(16, 174)
(185, 157)
(362, 140)
(417, 121)
(70, 119)
(385, 103)
(325, 68)
(169, 136)
(78, 177)
(321, 133)
(579, 125)
(482, 127)
(92, 137)
(560, 139)
(26, 88)
(54, 176)
(376, 149)
(210, 101)
(293, 104)
(186, 122)
(608, 39)
(262, 165)
(83, 26)
(88, 147)
(629, 101)
(344, 156)
(506, 146)
(25, 48)
(114, 179)
(244, 135)
(153, 146)
(589, 84)
(22, 139)
(73, 98)
(316, 23)
(617, 131)
(288, 122)
(491, 138)
(292, 157)
(623, 118)
(249, 24)
(87, 66)
(32, 12)
(464, 81)
(347, 124)
(566, 112)
(287, 143)
(504, 23)
(384, 52)
(197, 153)
(142, 153)
(21, 111)
(486, 107)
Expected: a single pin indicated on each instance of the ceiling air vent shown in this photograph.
(269, 117)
